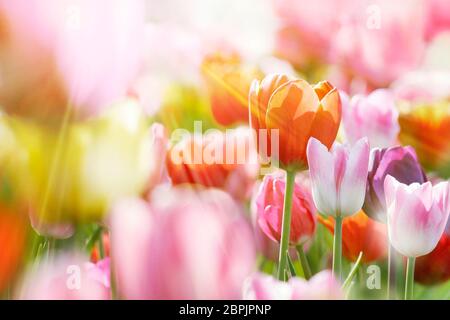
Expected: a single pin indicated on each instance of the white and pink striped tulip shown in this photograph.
(417, 215)
(338, 176)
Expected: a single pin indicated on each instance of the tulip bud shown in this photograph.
(399, 162)
(228, 82)
(338, 177)
(298, 111)
(269, 208)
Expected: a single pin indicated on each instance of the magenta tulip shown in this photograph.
(401, 163)
(269, 210)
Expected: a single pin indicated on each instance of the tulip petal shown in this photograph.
(292, 109)
(353, 185)
(321, 169)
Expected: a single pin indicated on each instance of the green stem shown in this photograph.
(388, 284)
(286, 224)
(291, 266)
(101, 246)
(409, 278)
(353, 271)
(337, 248)
(304, 262)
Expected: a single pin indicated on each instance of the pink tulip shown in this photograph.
(183, 245)
(379, 40)
(417, 215)
(68, 277)
(269, 210)
(59, 51)
(338, 176)
(374, 116)
(322, 286)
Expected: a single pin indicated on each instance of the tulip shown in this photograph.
(361, 234)
(338, 182)
(227, 161)
(228, 82)
(269, 208)
(379, 40)
(68, 277)
(399, 162)
(323, 286)
(294, 111)
(59, 52)
(374, 116)
(183, 245)
(13, 236)
(298, 111)
(417, 215)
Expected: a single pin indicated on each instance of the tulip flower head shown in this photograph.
(374, 116)
(417, 215)
(338, 176)
(269, 208)
(298, 111)
(399, 162)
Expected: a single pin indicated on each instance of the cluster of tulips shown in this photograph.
(236, 180)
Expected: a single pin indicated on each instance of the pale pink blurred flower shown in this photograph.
(379, 40)
(438, 17)
(307, 28)
(159, 145)
(339, 176)
(322, 286)
(417, 215)
(60, 51)
(184, 245)
(425, 86)
(374, 116)
(375, 40)
(67, 277)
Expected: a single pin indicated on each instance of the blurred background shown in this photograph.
(90, 92)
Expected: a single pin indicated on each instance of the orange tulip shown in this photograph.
(360, 233)
(235, 177)
(228, 81)
(299, 111)
(12, 242)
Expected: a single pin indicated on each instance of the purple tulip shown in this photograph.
(399, 162)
